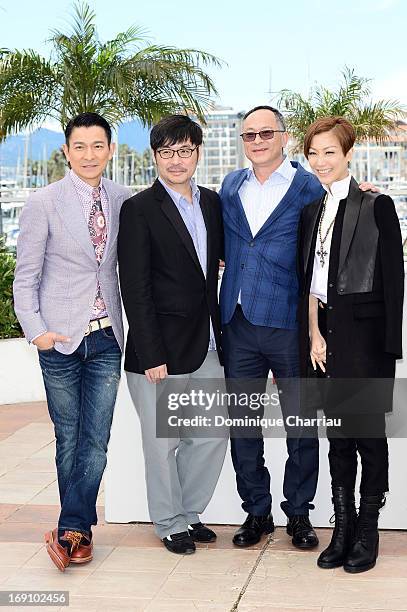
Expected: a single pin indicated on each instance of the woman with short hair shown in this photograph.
(350, 313)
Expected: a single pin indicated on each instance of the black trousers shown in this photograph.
(345, 445)
(374, 456)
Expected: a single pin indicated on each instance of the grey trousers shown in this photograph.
(181, 473)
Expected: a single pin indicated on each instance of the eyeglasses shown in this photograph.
(264, 135)
(184, 152)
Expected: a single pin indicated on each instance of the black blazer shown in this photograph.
(365, 286)
(166, 297)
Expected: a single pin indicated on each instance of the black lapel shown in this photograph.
(171, 212)
(352, 211)
(205, 207)
(313, 211)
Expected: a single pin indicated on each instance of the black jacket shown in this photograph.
(165, 294)
(365, 286)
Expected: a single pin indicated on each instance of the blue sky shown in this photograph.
(267, 45)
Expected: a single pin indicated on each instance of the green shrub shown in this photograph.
(9, 325)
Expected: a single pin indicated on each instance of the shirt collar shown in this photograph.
(177, 197)
(82, 185)
(339, 189)
(285, 171)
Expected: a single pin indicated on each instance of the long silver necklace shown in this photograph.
(322, 254)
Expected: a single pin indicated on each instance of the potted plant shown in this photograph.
(20, 376)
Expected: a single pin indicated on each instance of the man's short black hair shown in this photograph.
(88, 120)
(173, 129)
(276, 112)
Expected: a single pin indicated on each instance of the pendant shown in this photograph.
(322, 254)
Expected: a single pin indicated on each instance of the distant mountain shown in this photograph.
(134, 135)
(42, 142)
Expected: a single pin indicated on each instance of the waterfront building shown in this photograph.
(223, 151)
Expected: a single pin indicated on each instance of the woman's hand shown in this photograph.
(317, 350)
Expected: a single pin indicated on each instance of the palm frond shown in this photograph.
(376, 120)
(123, 78)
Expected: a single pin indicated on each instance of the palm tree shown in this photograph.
(371, 120)
(121, 79)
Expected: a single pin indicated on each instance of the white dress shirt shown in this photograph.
(259, 200)
(338, 191)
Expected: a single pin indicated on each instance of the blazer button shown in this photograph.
(328, 376)
(251, 243)
(329, 331)
(341, 290)
(331, 285)
(330, 307)
(330, 353)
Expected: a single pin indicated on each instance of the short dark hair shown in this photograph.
(276, 112)
(173, 129)
(341, 127)
(88, 120)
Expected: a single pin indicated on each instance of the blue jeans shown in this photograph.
(81, 392)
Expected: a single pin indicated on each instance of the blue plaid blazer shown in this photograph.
(264, 266)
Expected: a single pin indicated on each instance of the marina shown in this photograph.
(13, 197)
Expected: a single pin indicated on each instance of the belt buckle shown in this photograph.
(87, 332)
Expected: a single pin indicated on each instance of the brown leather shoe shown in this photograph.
(83, 553)
(59, 555)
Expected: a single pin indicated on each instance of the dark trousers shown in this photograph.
(351, 439)
(81, 393)
(251, 351)
(374, 456)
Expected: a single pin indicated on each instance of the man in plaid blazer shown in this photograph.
(259, 294)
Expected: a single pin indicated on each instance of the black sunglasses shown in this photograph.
(264, 135)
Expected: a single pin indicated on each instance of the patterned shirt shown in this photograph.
(84, 191)
(85, 194)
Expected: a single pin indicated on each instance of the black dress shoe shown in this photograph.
(201, 533)
(180, 543)
(252, 530)
(302, 532)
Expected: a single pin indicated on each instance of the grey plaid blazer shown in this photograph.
(57, 272)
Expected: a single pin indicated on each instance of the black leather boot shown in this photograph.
(345, 524)
(363, 553)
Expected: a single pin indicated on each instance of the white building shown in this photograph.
(222, 150)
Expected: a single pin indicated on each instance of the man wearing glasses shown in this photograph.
(261, 208)
(169, 246)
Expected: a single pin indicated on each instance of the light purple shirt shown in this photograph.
(192, 217)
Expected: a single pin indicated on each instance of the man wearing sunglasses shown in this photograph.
(259, 295)
(169, 246)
